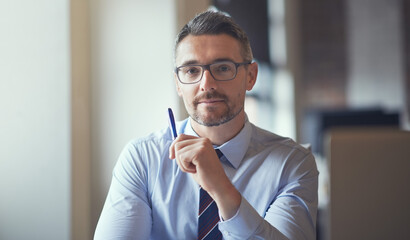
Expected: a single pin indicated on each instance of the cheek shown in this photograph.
(241, 97)
(186, 95)
(241, 92)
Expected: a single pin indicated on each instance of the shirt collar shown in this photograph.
(234, 149)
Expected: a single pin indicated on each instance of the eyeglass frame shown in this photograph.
(207, 67)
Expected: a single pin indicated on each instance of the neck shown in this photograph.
(222, 133)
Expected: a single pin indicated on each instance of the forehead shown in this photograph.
(206, 49)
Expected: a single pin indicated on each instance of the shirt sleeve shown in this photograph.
(127, 212)
(291, 215)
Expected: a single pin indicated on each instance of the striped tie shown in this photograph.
(208, 216)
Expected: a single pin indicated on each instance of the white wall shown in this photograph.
(132, 84)
(34, 120)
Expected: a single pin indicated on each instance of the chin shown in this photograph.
(213, 121)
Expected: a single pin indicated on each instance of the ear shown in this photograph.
(179, 91)
(251, 77)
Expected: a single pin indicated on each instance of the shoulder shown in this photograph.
(142, 157)
(290, 159)
(153, 145)
(262, 138)
(154, 139)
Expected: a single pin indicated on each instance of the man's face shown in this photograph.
(210, 102)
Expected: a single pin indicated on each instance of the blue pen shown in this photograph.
(172, 123)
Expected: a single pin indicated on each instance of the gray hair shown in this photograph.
(214, 23)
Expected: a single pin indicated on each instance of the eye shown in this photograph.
(191, 70)
(223, 68)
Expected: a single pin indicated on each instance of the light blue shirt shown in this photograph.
(151, 198)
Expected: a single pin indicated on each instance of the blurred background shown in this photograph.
(80, 78)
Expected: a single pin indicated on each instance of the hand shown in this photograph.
(197, 156)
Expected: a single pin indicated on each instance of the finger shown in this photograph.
(187, 167)
(180, 138)
(185, 164)
(184, 157)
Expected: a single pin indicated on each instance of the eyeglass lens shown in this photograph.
(221, 71)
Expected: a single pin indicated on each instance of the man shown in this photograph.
(257, 185)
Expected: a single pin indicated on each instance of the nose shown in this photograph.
(208, 82)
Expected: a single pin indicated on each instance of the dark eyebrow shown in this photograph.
(190, 62)
(223, 60)
(195, 62)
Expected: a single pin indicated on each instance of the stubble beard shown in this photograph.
(214, 120)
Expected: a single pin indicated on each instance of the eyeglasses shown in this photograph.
(220, 71)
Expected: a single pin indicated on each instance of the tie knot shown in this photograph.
(219, 153)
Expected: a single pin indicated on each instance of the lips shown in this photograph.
(210, 98)
(210, 101)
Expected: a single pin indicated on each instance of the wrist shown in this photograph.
(228, 201)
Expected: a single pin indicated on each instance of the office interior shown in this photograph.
(80, 78)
